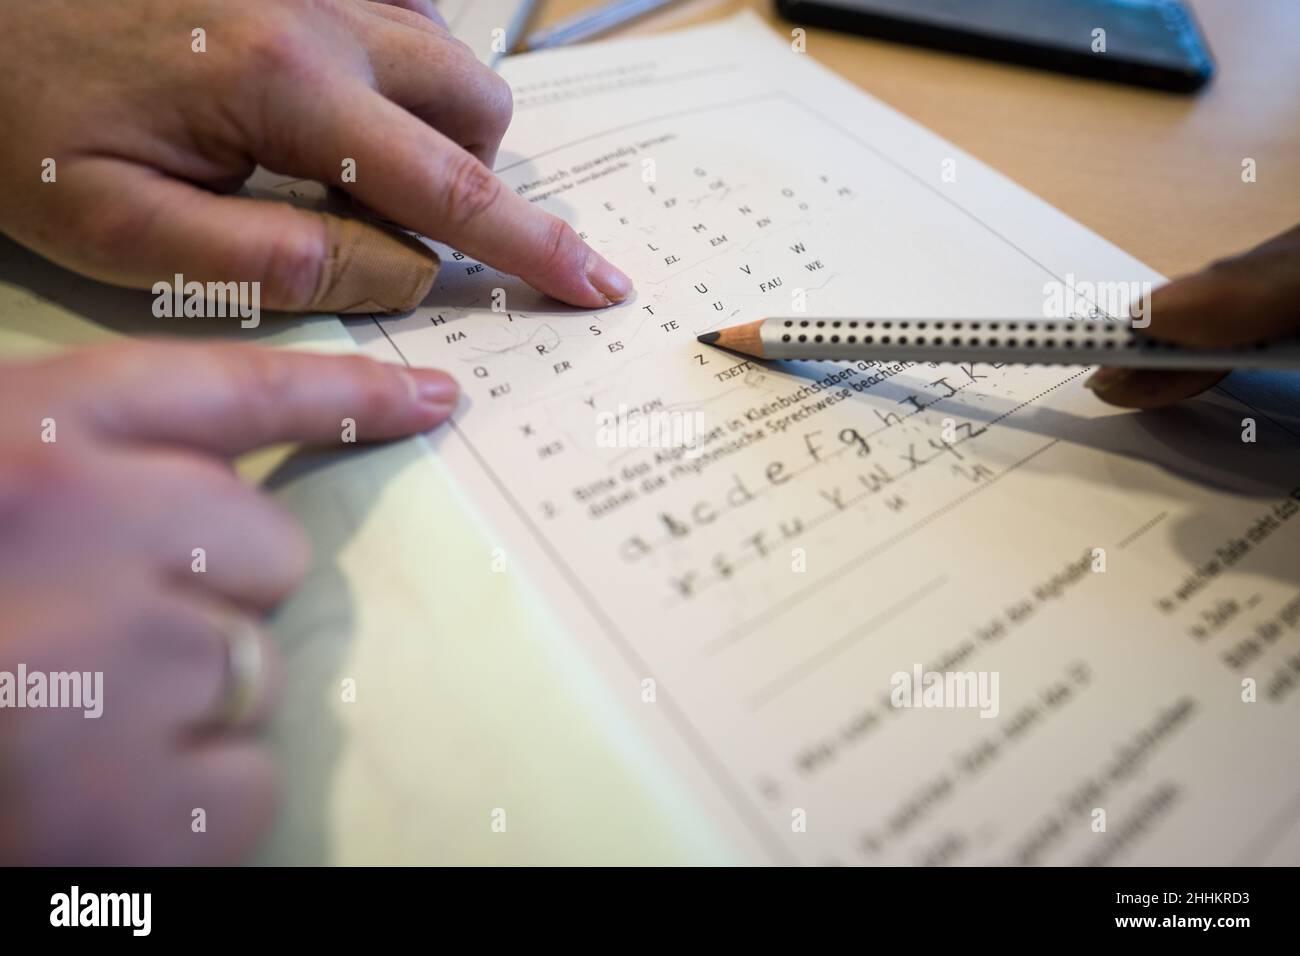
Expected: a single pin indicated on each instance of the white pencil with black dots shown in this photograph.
(1115, 343)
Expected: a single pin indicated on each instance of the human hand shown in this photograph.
(113, 471)
(1253, 297)
(144, 132)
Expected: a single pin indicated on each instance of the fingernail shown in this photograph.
(433, 392)
(370, 269)
(436, 390)
(1105, 378)
(438, 411)
(609, 282)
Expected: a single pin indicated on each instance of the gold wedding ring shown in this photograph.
(245, 670)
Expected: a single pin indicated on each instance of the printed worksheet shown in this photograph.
(877, 613)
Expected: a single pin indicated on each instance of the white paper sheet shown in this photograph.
(1122, 577)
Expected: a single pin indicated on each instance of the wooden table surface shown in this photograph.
(1158, 174)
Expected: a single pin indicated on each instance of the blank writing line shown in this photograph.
(802, 670)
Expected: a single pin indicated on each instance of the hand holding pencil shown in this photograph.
(1240, 312)
(1231, 303)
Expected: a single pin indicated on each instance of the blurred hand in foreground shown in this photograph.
(129, 547)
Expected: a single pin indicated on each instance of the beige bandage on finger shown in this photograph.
(372, 269)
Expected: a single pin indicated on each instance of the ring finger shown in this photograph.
(203, 665)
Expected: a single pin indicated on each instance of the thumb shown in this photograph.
(304, 261)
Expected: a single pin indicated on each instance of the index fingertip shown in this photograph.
(434, 394)
(430, 384)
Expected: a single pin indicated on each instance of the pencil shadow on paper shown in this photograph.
(1199, 440)
(1203, 441)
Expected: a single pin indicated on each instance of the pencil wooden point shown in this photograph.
(746, 339)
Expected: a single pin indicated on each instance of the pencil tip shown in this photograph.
(708, 338)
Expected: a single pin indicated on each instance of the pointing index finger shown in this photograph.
(229, 399)
(412, 174)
